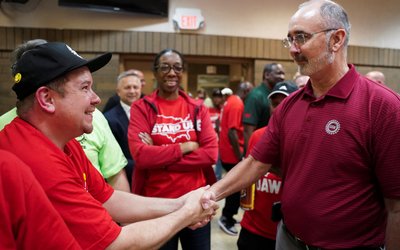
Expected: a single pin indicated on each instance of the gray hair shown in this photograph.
(21, 49)
(333, 16)
(126, 74)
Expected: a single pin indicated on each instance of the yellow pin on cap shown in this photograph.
(17, 78)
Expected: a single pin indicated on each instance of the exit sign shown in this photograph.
(188, 19)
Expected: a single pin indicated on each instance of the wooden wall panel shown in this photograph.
(234, 46)
(349, 54)
(200, 48)
(259, 48)
(97, 40)
(141, 41)
(25, 35)
(66, 36)
(247, 47)
(266, 48)
(191, 44)
(254, 47)
(118, 43)
(185, 44)
(134, 44)
(74, 39)
(18, 36)
(214, 45)
(178, 42)
(83, 41)
(156, 43)
(51, 36)
(220, 46)
(228, 47)
(241, 47)
(43, 33)
(126, 42)
(10, 38)
(163, 41)
(358, 54)
(397, 58)
(391, 54)
(148, 42)
(207, 45)
(171, 43)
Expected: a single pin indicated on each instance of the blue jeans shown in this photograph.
(218, 169)
(199, 239)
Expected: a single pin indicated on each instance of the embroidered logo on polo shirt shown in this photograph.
(332, 127)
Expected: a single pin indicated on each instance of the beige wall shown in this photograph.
(241, 36)
(374, 23)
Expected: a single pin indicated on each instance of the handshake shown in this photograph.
(201, 206)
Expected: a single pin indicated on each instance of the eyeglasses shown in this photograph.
(300, 38)
(166, 68)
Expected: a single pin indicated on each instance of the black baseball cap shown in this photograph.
(284, 88)
(216, 92)
(39, 66)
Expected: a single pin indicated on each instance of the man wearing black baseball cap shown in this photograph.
(44, 63)
(256, 228)
(279, 92)
(56, 104)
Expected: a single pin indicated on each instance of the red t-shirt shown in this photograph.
(75, 188)
(268, 191)
(231, 118)
(340, 160)
(28, 219)
(173, 125)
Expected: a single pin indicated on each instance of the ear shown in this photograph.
(337, 40)
(44, 97)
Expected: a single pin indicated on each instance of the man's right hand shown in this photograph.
(200, 215)
(208, 199)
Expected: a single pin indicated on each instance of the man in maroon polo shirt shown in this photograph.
(337, 142)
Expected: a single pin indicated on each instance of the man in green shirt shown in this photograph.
(256, 107)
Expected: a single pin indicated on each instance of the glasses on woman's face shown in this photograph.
(300, 39)
(166, 68)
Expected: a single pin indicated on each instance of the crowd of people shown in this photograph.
(311, 160)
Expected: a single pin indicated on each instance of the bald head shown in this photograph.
(244, 89)
(376, 76)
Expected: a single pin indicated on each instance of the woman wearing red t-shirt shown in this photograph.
(173, 143)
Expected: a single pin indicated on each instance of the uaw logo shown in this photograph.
(332, 127)
(173, 127)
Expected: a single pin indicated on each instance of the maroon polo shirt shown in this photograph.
(339, 155)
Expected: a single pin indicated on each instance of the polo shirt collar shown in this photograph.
(342, 88)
